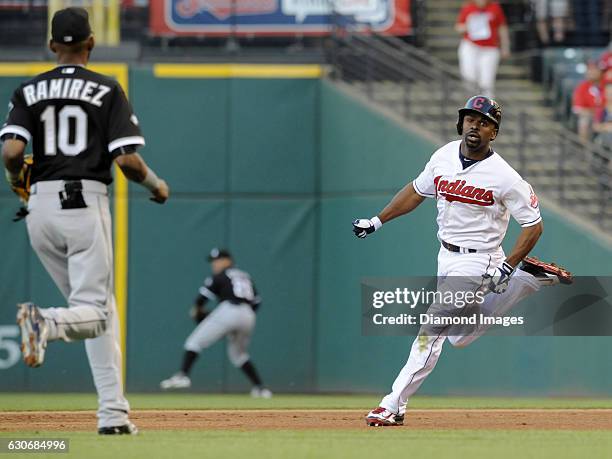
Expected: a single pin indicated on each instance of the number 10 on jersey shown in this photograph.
(68, 134)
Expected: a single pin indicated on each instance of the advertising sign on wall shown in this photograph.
(278, 17)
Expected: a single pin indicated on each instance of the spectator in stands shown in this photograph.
(484, 28)
(603, 122)
(605, 64)
(587, 100)
(588, 18)
(547, 13)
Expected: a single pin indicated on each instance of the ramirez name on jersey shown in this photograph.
(65, 88)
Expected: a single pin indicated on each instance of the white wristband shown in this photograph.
(151, 181)
(377, 223)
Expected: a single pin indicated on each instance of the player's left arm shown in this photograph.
(522, 202)
(526, 241)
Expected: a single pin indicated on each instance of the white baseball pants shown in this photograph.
(75, 247)
(237, 321)
(478, 66)
(426, 348)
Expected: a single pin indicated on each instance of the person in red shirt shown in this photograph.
(587, 100)
(484, 28)
(605, 64)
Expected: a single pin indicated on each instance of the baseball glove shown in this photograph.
(198, 314)
(21, 186)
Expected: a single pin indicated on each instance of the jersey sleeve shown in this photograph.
(210, 288)
(582, 97)
(424, 184)
(462, 15)
(500, 17)
(18, 122)
(522, 203)
(124, 131)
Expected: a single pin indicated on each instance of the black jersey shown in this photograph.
(231, 285)
(77, 120)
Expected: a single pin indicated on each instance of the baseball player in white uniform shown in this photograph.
(79, 123)
(476, 191)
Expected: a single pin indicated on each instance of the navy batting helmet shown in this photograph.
(483, 105)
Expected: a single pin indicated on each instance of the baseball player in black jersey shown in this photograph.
(78, 122)
(234, 317)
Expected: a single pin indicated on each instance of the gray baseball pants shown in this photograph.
(75, 247)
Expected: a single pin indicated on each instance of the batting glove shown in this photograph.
(363, 226)
(498, 280)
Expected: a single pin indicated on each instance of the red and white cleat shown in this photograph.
(382, 417)
(546, 273)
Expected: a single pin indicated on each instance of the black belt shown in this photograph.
(456, 248)
(72, 196)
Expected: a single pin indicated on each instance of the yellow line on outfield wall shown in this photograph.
(236, 71)
(120, 71)
(120, 204)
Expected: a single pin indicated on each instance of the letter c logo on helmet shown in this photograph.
(478, 102)
(483, 105)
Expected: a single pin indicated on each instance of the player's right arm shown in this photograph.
(14, 135)
(208, 291)
(12, 156)
(405, 201)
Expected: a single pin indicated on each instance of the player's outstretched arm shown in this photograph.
(136, 170)
(406, 200)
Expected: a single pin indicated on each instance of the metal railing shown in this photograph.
(425, 90)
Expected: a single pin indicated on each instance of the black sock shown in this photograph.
(189, 359)
(251, 373)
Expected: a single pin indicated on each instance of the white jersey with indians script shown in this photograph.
(475, 203)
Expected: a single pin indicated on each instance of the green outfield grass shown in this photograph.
(404, 442)
(39, 401)
(387, 443)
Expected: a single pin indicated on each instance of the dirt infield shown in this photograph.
(515, 419)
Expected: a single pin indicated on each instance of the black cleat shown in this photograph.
(126, 429)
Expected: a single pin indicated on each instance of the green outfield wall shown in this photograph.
(275, 169)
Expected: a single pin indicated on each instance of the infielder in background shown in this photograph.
(476, 191)
(483, 26)
(234, 317)
(79, 122)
